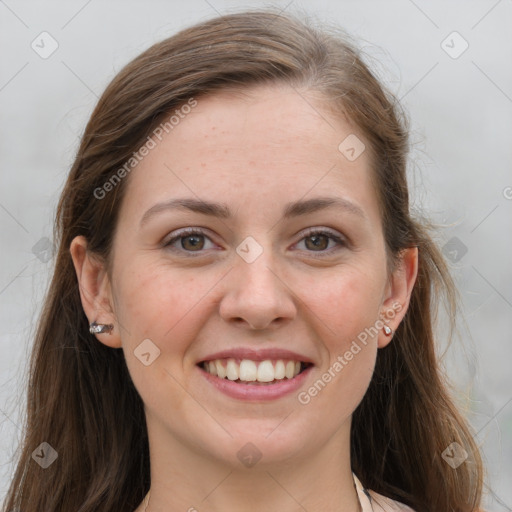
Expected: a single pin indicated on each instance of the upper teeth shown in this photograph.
(248, 370)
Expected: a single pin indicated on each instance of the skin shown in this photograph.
(254, 151)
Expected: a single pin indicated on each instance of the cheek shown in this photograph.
(154, 300)
(348, 304)
(347, 308)
(156, 303)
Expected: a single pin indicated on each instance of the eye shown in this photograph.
(318, 241)
(189, 240)
(193, 240)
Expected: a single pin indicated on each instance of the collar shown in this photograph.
(364, 496)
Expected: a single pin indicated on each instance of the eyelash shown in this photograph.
(311, 232)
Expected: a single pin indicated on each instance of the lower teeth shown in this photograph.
(256, 383)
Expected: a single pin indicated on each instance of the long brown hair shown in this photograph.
(81, 399)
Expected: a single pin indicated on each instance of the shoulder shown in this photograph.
(383, 504)
(374, 502)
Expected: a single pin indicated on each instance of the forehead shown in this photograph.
(273, 120)
(266, 144)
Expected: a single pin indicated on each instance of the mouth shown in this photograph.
(254, 373)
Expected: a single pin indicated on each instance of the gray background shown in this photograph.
(460, 171)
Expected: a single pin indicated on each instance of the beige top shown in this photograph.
(374, 502)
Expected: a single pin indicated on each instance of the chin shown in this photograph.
(260, 444)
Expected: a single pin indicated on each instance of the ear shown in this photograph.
(95, 290)
(398, 293)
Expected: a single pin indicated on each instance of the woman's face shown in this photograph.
(270, 275)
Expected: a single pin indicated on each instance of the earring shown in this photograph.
(95, 328)
(387, 330)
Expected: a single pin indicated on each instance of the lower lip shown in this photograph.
(257, 392)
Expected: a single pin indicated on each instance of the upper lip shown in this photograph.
(257, 355)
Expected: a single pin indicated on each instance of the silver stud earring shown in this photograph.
(387, 330)
(95, 328)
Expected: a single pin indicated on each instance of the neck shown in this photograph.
(185, 479)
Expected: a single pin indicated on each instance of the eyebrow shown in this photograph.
(222, 211)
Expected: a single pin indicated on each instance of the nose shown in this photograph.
(257, 296)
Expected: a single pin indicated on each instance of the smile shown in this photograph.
(255, 380)
(254, 372)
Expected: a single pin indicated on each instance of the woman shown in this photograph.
(241, 314)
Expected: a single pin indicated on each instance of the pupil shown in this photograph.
(194, 244)
(317, 241)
